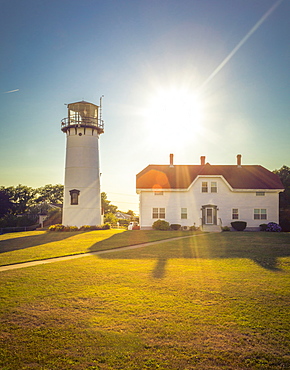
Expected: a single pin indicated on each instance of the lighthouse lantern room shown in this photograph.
(82, 196)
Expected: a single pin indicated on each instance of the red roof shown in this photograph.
(181, 176)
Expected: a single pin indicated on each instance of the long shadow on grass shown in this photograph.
(262, 248)
(24, 242)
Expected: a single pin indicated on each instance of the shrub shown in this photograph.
(96, 227)
(57, 227)
(86, 228)
(193, 228)
(263, 227)
(73, 228)
(10, 220)
(26, 220)
(106, 226)
(273, 227)
(175, 226)
(226, 228)
(123, 223)
(239, 225)
(160, 225)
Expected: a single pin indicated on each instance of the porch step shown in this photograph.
(211, 228)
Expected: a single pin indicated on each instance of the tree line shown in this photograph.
(20, 205)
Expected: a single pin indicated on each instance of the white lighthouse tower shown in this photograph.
(82, 196)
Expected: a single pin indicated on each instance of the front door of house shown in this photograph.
(209, 215)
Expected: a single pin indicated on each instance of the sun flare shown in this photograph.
(174, 114)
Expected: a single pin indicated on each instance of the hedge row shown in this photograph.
(60, 227)
(164, 225)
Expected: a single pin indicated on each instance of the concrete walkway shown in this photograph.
(66, 258)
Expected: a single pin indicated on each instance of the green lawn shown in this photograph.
(212, 301)
(36, 245)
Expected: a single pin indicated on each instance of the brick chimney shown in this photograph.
(171, 160)
(239, 160)
(202, 160)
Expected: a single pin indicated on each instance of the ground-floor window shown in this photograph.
(260, 214)
(184, 213)
(158, 213)
(235, 214)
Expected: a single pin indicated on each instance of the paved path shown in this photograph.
(66, 258)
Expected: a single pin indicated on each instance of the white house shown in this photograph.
(208, 196)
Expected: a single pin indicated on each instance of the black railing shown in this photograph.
(85, 121)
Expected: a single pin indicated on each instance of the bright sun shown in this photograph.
(174, 114)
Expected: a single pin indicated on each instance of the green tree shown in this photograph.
(284, 198)
(284, 174)
(107, 207)
(50, 194)
(22, 197)
(5, 204)
(110, 218)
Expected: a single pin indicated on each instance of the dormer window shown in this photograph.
(204, 188)
(74, 196)
(213, 187)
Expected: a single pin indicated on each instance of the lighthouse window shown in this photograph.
(74, 196)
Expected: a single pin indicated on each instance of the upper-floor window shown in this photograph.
(260, 193)
(184, 213)
(204, 187)
(213, 187)
(235, 214)
(74, 196)
(260, 214)
(158, 213)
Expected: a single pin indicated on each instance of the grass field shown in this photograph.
(211, 301)
(31, 245)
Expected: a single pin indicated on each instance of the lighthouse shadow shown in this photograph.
(24, 242)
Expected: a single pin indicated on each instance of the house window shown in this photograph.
(158, 192)
(74, 197)
(204, 188)
(184, 213)
(213, 187)
(235, 214)
(260, 193)
(158, 213)
(260, 214)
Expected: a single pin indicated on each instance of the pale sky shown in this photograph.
(187, 77)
